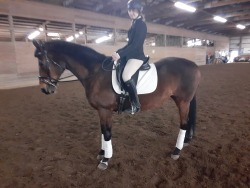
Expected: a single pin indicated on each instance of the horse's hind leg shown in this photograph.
(183, 111)
(106, 151)
(191, 122)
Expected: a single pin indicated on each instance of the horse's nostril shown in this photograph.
(44, 91)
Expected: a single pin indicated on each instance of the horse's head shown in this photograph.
(50, 67)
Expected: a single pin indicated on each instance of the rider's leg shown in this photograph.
(131, 67)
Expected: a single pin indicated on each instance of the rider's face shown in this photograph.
(133, 13)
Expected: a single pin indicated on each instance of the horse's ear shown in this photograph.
(38, 44)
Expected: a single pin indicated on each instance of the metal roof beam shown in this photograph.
(216, 3)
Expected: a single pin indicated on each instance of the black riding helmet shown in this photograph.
(135, 5)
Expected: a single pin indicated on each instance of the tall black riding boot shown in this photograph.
(134, 99)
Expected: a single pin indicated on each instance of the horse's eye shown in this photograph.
(41, 63)
(38, 54)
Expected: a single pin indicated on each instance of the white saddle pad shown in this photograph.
(147, 81)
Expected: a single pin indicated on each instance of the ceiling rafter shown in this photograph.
(157, 11)
(216, 3)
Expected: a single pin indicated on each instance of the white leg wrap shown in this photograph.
(180, 139)
(103, 142)
(108, 150)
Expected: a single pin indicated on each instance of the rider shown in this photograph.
(133, 53)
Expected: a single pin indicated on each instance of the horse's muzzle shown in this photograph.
(47, 91)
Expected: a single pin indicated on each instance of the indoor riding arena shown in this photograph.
(53, 134)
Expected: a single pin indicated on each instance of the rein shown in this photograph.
(110, 62)
(52, 81)
(61, 79)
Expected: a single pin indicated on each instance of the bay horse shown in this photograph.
(178, 79)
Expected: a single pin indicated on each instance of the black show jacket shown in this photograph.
(136, 35)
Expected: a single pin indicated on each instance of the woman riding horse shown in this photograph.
(178, 79)
(133, 53)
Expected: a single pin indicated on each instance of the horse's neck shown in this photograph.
(82, 62)
(81, 70)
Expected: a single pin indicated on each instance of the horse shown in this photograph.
(178, 79)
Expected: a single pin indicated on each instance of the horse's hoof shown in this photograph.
(175, 157)
(103, 165)
(100, 157)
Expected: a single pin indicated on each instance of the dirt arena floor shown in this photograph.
(52, 141)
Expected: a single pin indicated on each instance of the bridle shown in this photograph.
(49, 80)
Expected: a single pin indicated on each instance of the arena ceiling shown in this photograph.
(163, 12)
(156, 11)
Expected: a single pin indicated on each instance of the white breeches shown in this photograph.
(131, 67)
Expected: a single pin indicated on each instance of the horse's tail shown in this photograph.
(191, 124)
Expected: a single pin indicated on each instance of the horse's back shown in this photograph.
(176, 66)
(175, 62)
(179, 75)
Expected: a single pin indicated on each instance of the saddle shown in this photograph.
(120, 67)
(145, 78)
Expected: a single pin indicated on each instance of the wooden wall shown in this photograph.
(18, 58)
(194, 54)
(26, 63)
(7, 58)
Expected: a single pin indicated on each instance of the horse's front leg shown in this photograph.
(106, 151)
(183, 111)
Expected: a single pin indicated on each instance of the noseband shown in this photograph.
(49, 80)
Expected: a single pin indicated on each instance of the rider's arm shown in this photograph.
(137, 40)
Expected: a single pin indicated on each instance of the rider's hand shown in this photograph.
(115, 56)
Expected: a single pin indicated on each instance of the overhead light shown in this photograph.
(70, 38)
(102, 39)
(220, 19)
(184, 7)
(153, 44)
(77, 35)
(41, 28)
(53, 34)
(239, 26)
(33, 35)
(80, 32)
